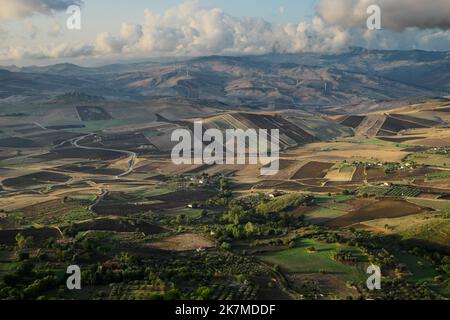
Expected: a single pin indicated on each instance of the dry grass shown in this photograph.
(183, 242)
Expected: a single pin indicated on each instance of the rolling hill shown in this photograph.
(274, 81)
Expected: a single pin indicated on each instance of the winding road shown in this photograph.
(131, 155)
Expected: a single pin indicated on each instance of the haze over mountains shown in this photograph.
(275, 81)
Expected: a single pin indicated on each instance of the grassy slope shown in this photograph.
(300, 260)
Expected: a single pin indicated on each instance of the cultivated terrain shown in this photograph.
(86, 178)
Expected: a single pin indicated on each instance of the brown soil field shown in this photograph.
(396, 125)
(52, 208)
(360, 174)
(324, 189)
(383, 208)
(313, 182)
(75, 153)
(121, 204)
(301, 211)
(199, 169)
(256, 121)
(313, 170)
(340, 151)
(287, 168)
(400, 139)
(118, 196)
(30, 130)
(441, 110)
(183, 242)
(353, 121)
(420, 121)
(359, 203)
(432, 196)
(119, 225)
(163, 167)
(68, 126)
(407, 174)
(386, 133)
(106, 209)
(342, 184)
(35, 179)
(280, 185)
(180, 198)
(434, 143)
(376, 174)
(8, 237)
(242, 187)
(18, 143)
(101, 170)
(131, 142)
(53, 137)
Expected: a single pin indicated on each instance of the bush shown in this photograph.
(225, 246)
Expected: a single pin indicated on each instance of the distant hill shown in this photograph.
(273, 81)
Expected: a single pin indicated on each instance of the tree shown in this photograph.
(22, 242)
(249, 229)
(225, 246)
(203, 293)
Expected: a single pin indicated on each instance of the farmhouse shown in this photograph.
(276, 194)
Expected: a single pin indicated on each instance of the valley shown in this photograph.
(86, 178)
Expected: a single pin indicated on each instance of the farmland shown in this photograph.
(386, 208)
(312, 170)
(93, 114)
(102, 191)
(312, 256)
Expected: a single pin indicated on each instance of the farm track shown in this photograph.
(99, 198)
(281, 280)
(132, 155)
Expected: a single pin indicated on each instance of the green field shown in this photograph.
(301, 260)
(440, 205)
(436, 231)
(421, 269)
(324, 213)
(333, 199)
(442, 175)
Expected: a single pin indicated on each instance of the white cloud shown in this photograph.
(131, 33)
(16, 9)
(397, 15)
(30, 29)
(3, 33)
(62, 50)
(55, 30)
(106, 43)
(190, 30)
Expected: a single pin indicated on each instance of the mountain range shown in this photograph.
(273, 81)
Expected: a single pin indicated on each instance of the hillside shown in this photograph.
(275, 81)
(290, 133)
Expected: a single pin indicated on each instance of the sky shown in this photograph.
(35, 31)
